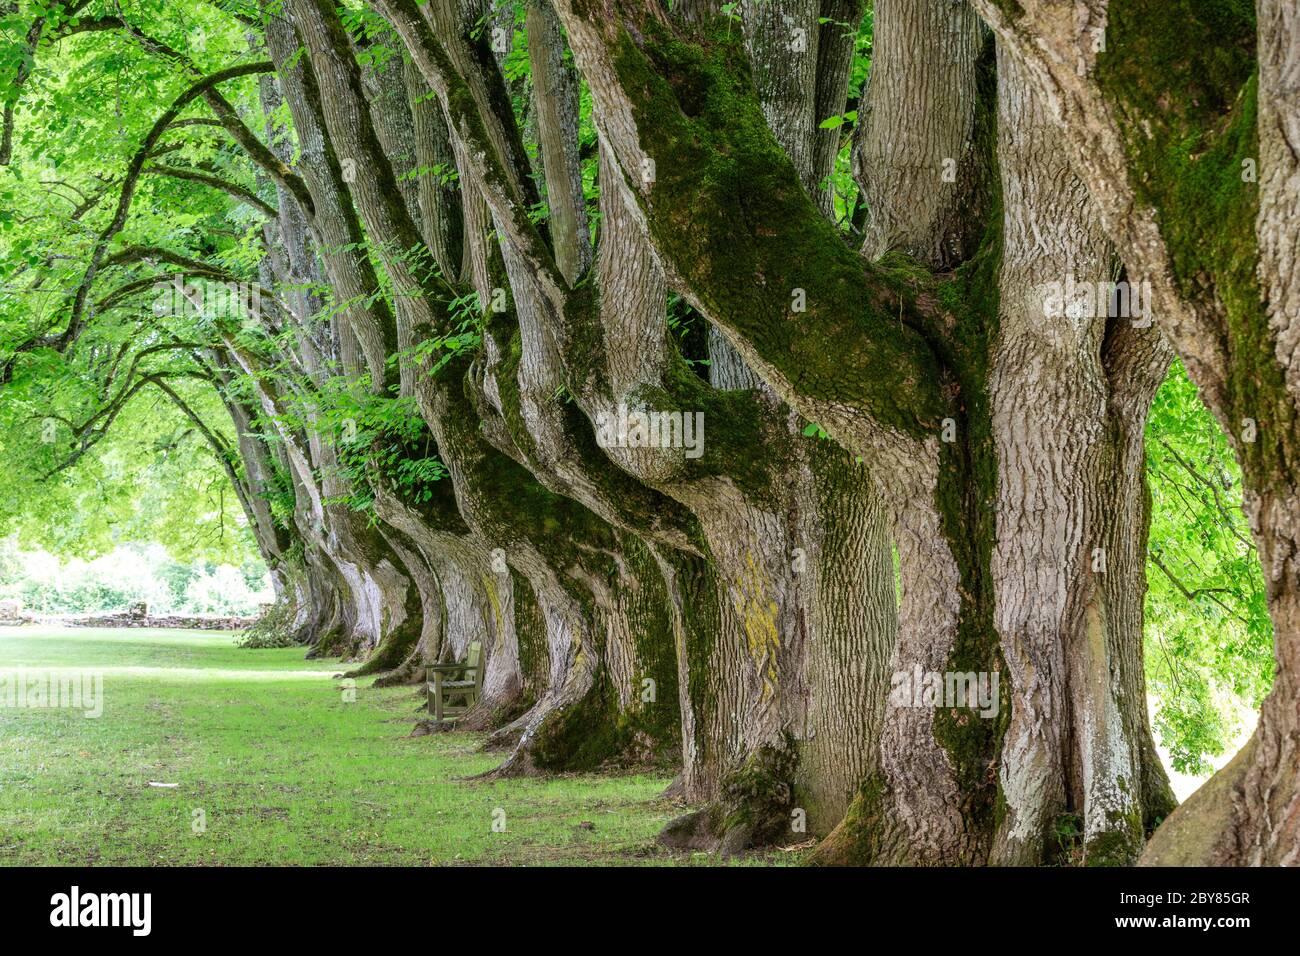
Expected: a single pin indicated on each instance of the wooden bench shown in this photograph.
(454, 688)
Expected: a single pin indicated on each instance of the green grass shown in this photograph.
(283, 769)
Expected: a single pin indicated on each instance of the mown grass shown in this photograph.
(282, 768)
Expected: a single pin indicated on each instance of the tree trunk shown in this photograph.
(1071, 522)
(555, 100)
(1228, 313)
(916, 154)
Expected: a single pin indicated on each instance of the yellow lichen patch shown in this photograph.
(758, 614)
(490, 586)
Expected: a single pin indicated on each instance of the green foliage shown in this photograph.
(813, 429)
(374, 435)
(1209, 639)
(1067, 830)
(272, 629)
(691, 331)
(151, 478)
(847, 199)
(95, 455)
(46, 585)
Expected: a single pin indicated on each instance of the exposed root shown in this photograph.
(410, 672)
(699, 830)
(518, 764)
(508, 737)
(424, 728)
(866, 836)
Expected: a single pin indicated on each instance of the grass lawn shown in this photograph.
(283, 770)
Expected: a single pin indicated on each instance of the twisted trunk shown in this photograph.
(1222, 281)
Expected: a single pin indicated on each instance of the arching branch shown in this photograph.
(89, 433)
(225, 454)
(76, 321)
(215, 182)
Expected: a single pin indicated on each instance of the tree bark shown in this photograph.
(1068, 564)
(916, 152)
(1228, 317)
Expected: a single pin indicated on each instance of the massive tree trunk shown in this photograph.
(789, 539)
(955, 390)
(931, 800)
(1148, 121)
(466, 601)
(844, 538)
(333, 220)
(556, 103)
(753, 707)
(1071, 522)
(781, 40)
(571, 574)
(934, 799)
(1264, 826)
(278, 541)
(750, 687)
(440, 208)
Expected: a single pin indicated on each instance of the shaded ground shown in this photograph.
(282, 768)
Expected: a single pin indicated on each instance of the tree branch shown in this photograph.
(857, 347)
(215, 182)
(1190, 595)
(76, 321)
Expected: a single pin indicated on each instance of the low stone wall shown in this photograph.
(201, 622)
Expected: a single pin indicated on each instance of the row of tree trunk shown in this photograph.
(910, 465)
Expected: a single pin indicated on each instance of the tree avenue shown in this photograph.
(775, 423)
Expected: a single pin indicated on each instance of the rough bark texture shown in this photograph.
(915, 150)
(1154, 127)
(781, 38)
(836, 44)
(555, 98)
(1070, 508)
